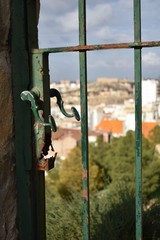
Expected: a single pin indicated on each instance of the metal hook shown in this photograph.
(55, 93)
(32, 96)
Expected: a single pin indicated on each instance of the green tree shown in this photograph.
(112, 179)
(114, 216)
(121, 161)
(154, 134)
(70, 174)
(63, 216)
(111, 163)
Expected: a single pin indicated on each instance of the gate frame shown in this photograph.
(24, 44)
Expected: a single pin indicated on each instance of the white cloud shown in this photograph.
(99, 64)
(98, 14)
(103, 33)
(108, 21)
(68, 22)
(123, 63)
(57, 6)
(151, 59)
(108, 34)
(126, 3)
(112, 63)
(96, 17)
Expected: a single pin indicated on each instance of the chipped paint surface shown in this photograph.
(81, 48)
(138, 116)
(84, 120)
(85, 194)
(84, 173)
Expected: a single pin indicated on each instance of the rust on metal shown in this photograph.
(83, 48)
(84, 173)
(85, 194)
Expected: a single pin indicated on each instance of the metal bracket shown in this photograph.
(55, 93)
(46, 162)
(32, 96)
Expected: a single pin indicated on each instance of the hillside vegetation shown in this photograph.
(112, 192)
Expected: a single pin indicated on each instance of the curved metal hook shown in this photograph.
(32, 96)
(55, 93)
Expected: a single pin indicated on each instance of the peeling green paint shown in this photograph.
(84, 121)
(138, 117)
(81, 48)
(40, 78)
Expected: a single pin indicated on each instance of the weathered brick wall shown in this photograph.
(8, 208)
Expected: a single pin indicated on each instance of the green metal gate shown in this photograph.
(40, 79)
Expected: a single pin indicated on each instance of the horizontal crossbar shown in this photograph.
(98, 47)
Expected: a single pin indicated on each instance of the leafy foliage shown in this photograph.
(117, 210)
(70, 173)
(111, 164)
(112, 182)
(63, 215)
(155, 134)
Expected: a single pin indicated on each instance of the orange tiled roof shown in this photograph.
(114, 126)
(147, 127)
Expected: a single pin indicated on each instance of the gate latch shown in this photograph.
(47, 162)
(34, 97)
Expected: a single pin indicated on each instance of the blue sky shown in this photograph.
(108, 21)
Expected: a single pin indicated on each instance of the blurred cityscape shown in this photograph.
(111, 110)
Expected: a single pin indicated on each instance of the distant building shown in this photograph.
(107, 80)
(129, 122)
(65, 139)
(65, 83)
(95, 114)
(150, 91)
(117, 128)
(111, 127)
(147, 127)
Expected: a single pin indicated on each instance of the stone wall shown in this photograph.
(8, 209)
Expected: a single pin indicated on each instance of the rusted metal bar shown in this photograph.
(84, 47)
(84, 121)
(138, 117)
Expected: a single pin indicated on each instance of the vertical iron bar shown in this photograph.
(138, 117)
(38, 75)
(42, 135)
(22, 122)
(84, 121)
